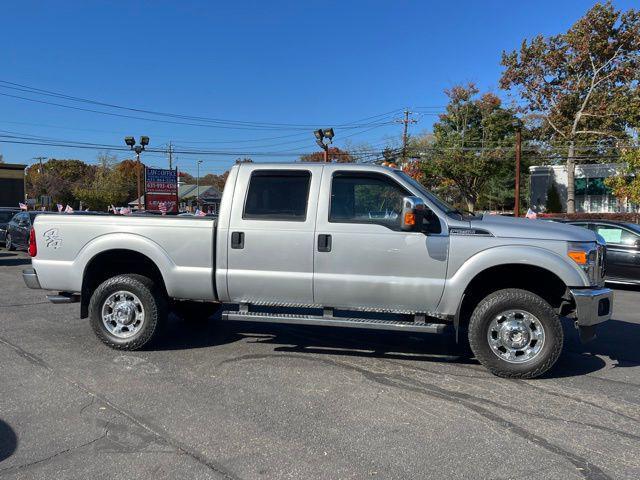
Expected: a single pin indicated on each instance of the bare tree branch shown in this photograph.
(595, 132)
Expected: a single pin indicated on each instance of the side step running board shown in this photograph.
(333, 321)
(64, 297)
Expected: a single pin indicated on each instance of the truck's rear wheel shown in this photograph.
(127, 311)
(515, 334)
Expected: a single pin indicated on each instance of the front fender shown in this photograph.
(457, 283)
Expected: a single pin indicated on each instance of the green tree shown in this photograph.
(58, 179)
(109, 186)
(626, 185)
(581, 82)
(470, 142)
(554, 204)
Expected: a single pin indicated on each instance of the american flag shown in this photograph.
(162, 206)
(125, 211)
(68, 209)
(23, 206)
(200, 213)
(531, 214)
(60, 207)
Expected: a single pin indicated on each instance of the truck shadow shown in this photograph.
(616, 341)
(10, 259)
(8, 440)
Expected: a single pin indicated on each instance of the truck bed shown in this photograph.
(181, 247)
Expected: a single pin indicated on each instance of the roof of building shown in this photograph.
(12, 166)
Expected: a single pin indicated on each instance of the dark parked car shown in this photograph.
(18, 230)
(623, 248)
(6, 214)
(19, 227)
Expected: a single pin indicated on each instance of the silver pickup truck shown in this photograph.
(320, 244)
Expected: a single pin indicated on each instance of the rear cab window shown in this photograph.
(281, 195)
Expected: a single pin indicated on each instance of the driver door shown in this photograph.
(362, 259)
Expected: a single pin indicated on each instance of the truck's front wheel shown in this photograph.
(127, 311)
(515, 334)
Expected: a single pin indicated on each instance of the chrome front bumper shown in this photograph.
(30, 278)
(593, 305)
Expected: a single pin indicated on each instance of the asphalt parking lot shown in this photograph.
(245, 401)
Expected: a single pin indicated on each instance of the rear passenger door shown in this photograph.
(271, 234)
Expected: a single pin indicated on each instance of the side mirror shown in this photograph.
(413, 210)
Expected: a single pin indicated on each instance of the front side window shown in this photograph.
(366, 198)
(617, 235)
(278, 195)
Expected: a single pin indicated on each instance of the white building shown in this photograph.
(592, 195)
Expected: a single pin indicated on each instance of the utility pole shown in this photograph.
(40, 170)
(405, 132)
(516, 208)
(170, 151)
(198, 183)
(40, 159)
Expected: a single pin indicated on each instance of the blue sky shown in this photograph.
(298, 62)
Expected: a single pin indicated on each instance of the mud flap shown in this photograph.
(587, 333)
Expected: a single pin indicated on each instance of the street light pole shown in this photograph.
(320, 135)
(138, 181)
(131, 142)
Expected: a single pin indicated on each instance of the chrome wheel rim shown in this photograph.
(122, 314)
(516, 336)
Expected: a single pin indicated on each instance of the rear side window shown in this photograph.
(278, 195)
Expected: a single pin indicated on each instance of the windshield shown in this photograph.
(441, 204)
(633, 226)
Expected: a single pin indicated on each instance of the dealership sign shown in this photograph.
(161, 190)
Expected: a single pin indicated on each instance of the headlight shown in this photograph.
(585, 254)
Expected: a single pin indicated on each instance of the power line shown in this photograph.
(219, 121)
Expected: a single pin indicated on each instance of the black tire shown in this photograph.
(9, 244)
(504, 300)
(195, 312)
(153, 302)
